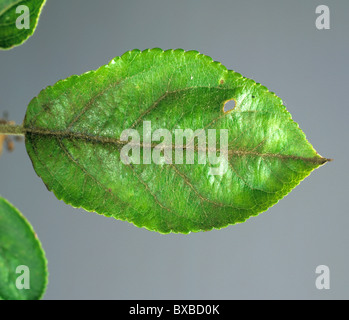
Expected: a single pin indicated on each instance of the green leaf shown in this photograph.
(20, 246)
(73, 132)
(10, 34)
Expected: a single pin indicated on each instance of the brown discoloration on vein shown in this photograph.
(148, 189)
(87, 173)
(153, 106)
(109, 140)
(187, 182)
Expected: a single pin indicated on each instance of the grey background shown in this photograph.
(272, 256)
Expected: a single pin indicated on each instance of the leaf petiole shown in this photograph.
(10, 129)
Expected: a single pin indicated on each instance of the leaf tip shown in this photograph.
(323, 160)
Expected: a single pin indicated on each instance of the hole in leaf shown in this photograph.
(229, 105)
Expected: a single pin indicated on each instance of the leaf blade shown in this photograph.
(173, 89)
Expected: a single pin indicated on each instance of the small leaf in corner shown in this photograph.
(23, 266)
(18, 21)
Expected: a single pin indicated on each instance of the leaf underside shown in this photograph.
(10, 35)
(19, 246)
(73, 139)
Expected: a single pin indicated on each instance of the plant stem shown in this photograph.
(14, 130)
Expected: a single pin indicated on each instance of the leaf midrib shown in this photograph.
(108, 140)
